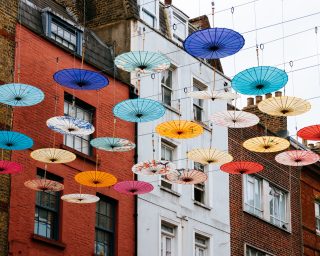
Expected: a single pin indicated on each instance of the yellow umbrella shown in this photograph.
(53, 155)
(209, 156)
(179, 129)
(266, 144)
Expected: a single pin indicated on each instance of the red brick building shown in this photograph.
(41, 223)
(265, 208)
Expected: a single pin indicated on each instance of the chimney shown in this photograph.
(272, 123)
(278, 94)
(168, 2)
(200, 22)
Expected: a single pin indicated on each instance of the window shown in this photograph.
(198, 103)
(179, 27)
(167, 239)
(278, 207)
(105, 227)
(46, 219)
(253, 196)
(317, 213)
(199, 189)
(166, 87)
(81, 110)
(166, 154)
(250, 251)
(149, 12)
(201, 245)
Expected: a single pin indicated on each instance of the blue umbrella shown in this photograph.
(213, 43)
(20, 95)
(14, 141)
(259, 80)
(139, 110)
(80, 79)
(112, 144)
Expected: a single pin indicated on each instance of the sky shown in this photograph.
(301, 43)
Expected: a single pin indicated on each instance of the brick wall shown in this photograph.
(8, 14)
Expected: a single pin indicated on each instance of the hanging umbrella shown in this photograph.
(95, 179)
(153, 167)
(311, 132)
(80, 79)
(7, 167)
(284, 106)
(234, 119)
(187, 176)
(297, 157)
(112, 144)
(241, 167)
(209, 156)
(20, 95)
(44, 185)
(139, 110)
(142, 61)
(53, 155)
(259, 80)
(213, 95)
(133, 187)
(213, 43)
(179, 129)
(266, 144)
(14, 141)
(80, 198)
(70, 126)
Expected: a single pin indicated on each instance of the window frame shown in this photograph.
(317, 216)
(274, 218)
(200, 87)
(247, 206)
(164, 87)
(246, 246)
(163, 181)
(181, 20)
(204, 247)
(164, 235)
(198, 186)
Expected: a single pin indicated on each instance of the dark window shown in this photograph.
(105, 227)
(199, 189)
(46, 220)
(166, 87)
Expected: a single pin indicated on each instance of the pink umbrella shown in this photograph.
(44, 185)
(187, 176)
(7, 167)
(297, 157)
(133, 187)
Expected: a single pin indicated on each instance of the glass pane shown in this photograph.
(54, 28)
(166, 96)
(166, 78)
(148, 18)
(168, 246)
(166, 184)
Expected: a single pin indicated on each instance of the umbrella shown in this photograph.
(95, 179)
(213, 95)
(209, 156)
(7, 167)
(179, 129)
(266, 144)
(14, 141)
(44, 185)
(241, 167)
(187, 176)
(80, 198)
(53, 155)
(153, 167)
(297, 157)
(311, 132)
(112, 144)
(234, 119)
(133, 187)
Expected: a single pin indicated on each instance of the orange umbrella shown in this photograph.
(95, 179)
(179, 129)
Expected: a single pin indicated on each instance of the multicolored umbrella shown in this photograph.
(213, 95)
(284, 106)
(234, 119)
(133, 187)
(70, 126)
(80, 79)
(20, 95)
(213, 43)
(44, 185)
(80, 198)
(142, 61)
(153, 167)
(14, 140)
(241, 167)
(95, 179)
(187, 176)
(259, 80)
(7, 167)
(297, 157)
(266, 144)
(53, 155)
(311, 132)
(179, 129)
(209, 156)
(112, 144)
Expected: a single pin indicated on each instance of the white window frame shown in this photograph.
(247, 246)
(199, 246)
(317, 216)
(164, 235)
(173, 148)
(202, 186)
(284, 195)
(166, 87)
(179, 18)
(247, 206)
(146, 11)
(196, 83)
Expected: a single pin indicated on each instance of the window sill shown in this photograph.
(202, 205)
(170, 191)
(79, 154)
(47, 241)
(172, 109)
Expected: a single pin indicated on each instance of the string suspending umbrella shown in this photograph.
(8, 167)
(80, 198)
(259, 80)
(213, 43)
(53, 155)
(241, 167)
(70, 126)
(209, 156)
(112, 144)
(284, 106)
(20, 95)
(187, 176)
(213, 95)
(139, 110)
(153, 167)
(95, 179)
(234, 119)
(297, 158)
(44, 184)
(14, 140)
(80, 79)
(133, 187)
(179, 129)
(311, 132)
(266, 144)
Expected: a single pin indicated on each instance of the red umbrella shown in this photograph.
(311, 132)
(7, 167)
(241, 167)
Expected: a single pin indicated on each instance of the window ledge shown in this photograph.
(81, 155)
(202, 205)
(172, 109)
(170, 191)
(58, 244)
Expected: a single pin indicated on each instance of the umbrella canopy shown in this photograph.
(7, 167)
(241, 167)
(14, 140)
(44, 185)
(234, 119)
(112, 144)
(139, 110)
(70, 126)
(142, 61)
(297, 157)
(80, 198)
(52, 155)
(80, 79)
(266, 144)
(95, 179)
(187, 176)
(20, 95)
(209, 156)
(213, 95)
(259, 80)
(133, 187)
(284, 106)
(213, 43)
(311, 132)
(179, 129)
(153, 167)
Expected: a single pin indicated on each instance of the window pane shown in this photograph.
(168, 246)
(148, 18)
(253, 197)
(166, 78)
(166, 96)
